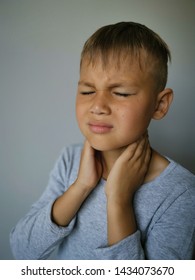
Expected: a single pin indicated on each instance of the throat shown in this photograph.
(108, 158)
(157, 164)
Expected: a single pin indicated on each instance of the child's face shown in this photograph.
(114, 105)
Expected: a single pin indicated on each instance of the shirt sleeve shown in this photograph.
(35, 236)
(127, 249)
(170, 235)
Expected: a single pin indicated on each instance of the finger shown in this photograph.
(146, 160)
(129, 152)
(87, 149)
(142, 147)
(148, 155)
(137, 149)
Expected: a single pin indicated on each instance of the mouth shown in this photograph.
(100, 128)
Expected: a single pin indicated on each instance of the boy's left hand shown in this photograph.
(129, 171)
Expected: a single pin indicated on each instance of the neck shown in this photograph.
(156, 166)
(108, 159)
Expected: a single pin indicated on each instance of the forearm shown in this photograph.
(35, 236)
(67, 205)
(121, 221)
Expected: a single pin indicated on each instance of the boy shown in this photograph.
(115, 197)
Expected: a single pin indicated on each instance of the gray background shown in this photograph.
(40, 44)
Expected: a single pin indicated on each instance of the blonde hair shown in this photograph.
(129, 39)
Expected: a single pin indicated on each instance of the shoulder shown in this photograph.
(171, 175)
(182, 181)
(174, 183)
(67, 164)
(70, 155)
(177, 174)
(71, 152)
(169, 196)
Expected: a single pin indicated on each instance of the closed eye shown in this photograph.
(123, 94)
(87, 92)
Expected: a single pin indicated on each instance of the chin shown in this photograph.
(100, 147)
(105, 146)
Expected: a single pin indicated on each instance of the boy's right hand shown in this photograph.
(90, 169)
(66, 206)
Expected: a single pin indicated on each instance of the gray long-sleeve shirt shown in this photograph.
(164, 209)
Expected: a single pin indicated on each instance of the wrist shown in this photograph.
(120, 200)
(121, 221)
(82, 188)
(119, 206)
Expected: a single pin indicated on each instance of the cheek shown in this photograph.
(134, 120)
(128, 116)
(79, 109)
(79, 115)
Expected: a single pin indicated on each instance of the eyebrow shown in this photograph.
(83, 83)
(113, 85)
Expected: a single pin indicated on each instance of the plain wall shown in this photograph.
(40, 44)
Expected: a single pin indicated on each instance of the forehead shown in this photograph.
(116, 57)
(119, 59)
(124, 67)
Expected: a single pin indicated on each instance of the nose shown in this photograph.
(100, 104)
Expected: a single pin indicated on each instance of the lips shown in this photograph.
(100, 128)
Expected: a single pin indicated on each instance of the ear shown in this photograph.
(164, 100)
